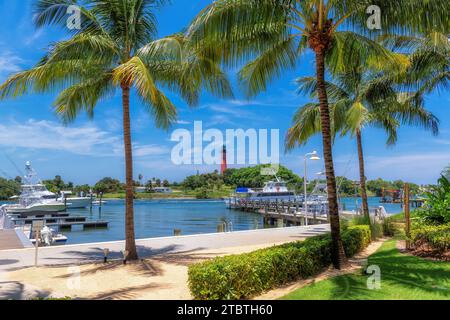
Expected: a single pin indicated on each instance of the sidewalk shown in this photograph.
(162, 275)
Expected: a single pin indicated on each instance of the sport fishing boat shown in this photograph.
(34, 197)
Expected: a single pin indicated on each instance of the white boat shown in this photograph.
(48, 237)
(36, 207)
(75, 202)
(34, 196)
(272, 191)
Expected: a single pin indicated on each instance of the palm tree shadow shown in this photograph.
(15, 290)
(408, 272)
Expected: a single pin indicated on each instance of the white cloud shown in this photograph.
(86, 140)
(149, 150)
(9, 63)
(35, 36)
(421, 167)
(181, 122)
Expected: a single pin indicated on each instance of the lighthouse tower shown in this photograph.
(224, 166)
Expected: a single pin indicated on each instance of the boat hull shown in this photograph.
(78, 203)
(36, 208)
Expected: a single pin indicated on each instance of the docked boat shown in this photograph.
(47, 236)
(34, 197)
(272, 191)
(75, 202)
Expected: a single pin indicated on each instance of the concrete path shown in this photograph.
(157, 248)
(85, 253)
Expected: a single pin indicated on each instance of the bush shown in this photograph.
(376, 228)
(246, 275)
(435, 237)
(392, 227)
(437, 207)
(356, 239)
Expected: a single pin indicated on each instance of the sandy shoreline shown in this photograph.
(159, 278)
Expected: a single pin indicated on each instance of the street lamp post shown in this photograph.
(309, 156)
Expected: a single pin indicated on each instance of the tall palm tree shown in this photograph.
(273, 34)
(359, 98)
(116, 48)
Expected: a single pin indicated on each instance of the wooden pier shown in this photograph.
(10, 240)
(283, 213)
(64, 223)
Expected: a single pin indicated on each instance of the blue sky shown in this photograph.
(86, 151)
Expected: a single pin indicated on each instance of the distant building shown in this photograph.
(224, 165)
(140, 189)
(162, 190)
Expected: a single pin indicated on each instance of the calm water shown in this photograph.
(159, 218)
(155, 218)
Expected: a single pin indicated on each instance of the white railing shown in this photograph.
(5, 221)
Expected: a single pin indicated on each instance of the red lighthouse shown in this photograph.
(224, 167)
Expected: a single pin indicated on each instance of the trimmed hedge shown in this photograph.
(246, 275)
(436, 237)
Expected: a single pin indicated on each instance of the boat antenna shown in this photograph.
(13, 163)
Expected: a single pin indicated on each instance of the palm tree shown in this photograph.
(116, 48)
(430, 60)
(359, 98)
(273, 34)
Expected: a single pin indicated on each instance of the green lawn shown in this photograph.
(402, 277)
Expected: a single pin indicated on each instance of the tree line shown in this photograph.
(250, 177)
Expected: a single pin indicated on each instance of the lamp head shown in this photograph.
(314, 156)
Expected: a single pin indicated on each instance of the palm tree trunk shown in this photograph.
(362, 175)
(130, 243)
(338, 253)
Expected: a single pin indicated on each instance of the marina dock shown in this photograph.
(283, 213)
(10, 239)
(64, 223)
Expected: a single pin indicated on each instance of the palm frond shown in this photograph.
(135, 73)
(269, 65)
(83, 96)
(306, 124)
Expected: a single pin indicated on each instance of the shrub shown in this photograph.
(435, 237)
(392, 228)
(376, 228)
(437, 207)
(246, 275)
(356, 239)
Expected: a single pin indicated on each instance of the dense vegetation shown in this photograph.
(437, 207)
(430, 232)
(57, 184)
(246, 275)
(209, 185)
(9, 188)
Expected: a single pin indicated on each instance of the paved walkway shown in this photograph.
(177, 248)
(84, 253)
